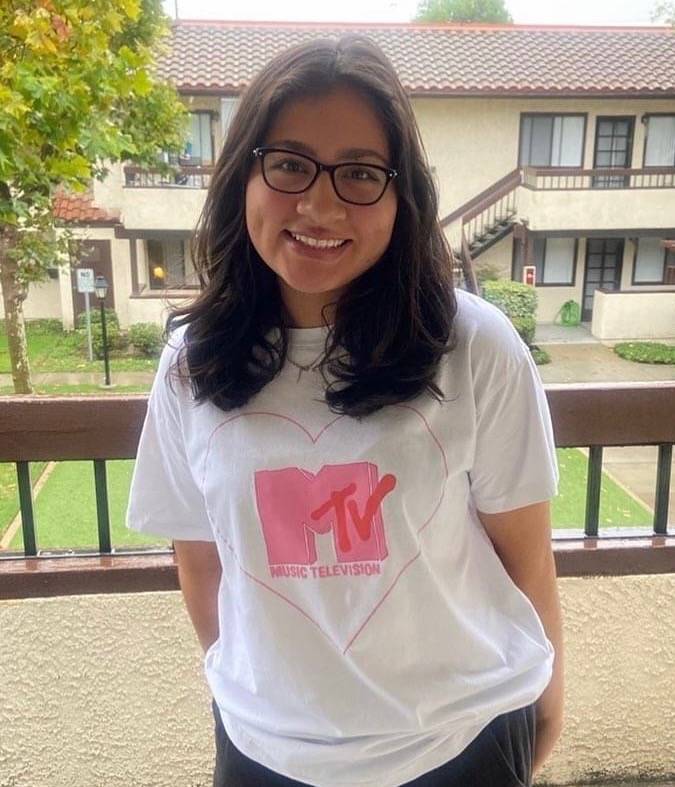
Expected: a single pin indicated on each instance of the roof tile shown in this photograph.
(223, 57)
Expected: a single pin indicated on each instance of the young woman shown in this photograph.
(354, 461)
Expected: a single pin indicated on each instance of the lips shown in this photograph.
(317, 252)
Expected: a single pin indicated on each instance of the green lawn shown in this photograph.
(50, 349)
(65, 509)
(616, 507)
(63, 390)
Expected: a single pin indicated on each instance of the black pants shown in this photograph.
(501, 756)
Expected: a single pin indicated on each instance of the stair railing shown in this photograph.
(493, 207)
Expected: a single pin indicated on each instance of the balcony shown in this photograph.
(101, 675)
(157, 200)
(598, 199)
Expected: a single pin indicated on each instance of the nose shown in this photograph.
(320, 203)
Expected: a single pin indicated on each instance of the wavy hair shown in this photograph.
(392, 324)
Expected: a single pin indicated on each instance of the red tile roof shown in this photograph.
(222, 57)
(80, 209)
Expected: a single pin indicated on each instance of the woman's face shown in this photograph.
(336, 127)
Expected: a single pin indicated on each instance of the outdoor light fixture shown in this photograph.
(101, 287)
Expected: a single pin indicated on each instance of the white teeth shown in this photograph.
(318, 244)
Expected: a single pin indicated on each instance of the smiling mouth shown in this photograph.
(329, 244)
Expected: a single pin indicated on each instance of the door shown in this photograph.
(604, 258)
(91, 254)
(613, 148)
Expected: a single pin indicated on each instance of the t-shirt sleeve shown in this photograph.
(165, 498)
(515, 461)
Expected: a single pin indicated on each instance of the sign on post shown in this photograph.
(85, 284)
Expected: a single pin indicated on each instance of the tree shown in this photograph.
(491, 11)
(664, 12)
(78, 90)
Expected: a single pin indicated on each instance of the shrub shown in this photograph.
(646, 352)
(44, 325)
(512, 297)
(519, 303)
(526, 326)
(147, 338)
(541, 357)
(117, 340)
(110, 318)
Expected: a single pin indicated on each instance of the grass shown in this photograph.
(617, 508)
(61, 390)
(65, 509)
(51, 349)
(646, 352)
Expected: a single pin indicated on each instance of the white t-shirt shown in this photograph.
(368, 630)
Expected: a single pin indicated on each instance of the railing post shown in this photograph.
(102, 510)
(663, 469)
(26, 508)
(593, 490)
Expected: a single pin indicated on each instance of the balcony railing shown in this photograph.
(104, 428)
(574, 178)
(192, 177)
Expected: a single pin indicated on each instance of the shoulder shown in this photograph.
(170, 377)
(484, 332)
(487, 355)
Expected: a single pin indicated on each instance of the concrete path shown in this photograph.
(84, 378)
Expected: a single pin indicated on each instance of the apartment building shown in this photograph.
(553, 150)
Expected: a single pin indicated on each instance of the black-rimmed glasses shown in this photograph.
(293, 173)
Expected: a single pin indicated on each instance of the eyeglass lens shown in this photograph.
(293, 173)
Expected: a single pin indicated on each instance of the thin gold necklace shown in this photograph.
(312, 366)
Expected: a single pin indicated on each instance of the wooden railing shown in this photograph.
(106, 428)
(490, 211)
(574, 178)
(193, 177)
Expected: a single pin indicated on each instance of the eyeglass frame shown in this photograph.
(261, 152)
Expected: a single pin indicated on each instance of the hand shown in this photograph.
(546, 736)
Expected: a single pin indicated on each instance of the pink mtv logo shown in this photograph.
(295, 505)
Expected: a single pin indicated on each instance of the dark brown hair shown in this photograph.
(392, 324)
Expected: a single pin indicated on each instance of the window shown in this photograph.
(660, 144)
(653, 263)
(555, 260)
(552, 140)
(199, 147)
(228, 108)
(169, 265)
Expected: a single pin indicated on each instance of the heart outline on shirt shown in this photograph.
(314, 440)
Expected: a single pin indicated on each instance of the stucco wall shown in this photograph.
(634, 315)
(108, 689)
(473, 142)
(43, 301)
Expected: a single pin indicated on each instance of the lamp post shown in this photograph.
(101, 288)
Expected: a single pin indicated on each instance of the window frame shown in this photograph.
(210, 113)
(524, 115)
(648, 115)
(664, 266)
(162, 241)
(540, 282)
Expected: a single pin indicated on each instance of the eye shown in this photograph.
(288, 164)
(361, 174)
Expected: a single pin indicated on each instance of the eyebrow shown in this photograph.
(351, 154)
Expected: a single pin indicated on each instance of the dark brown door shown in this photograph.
(613, 149)
(604, 258)
(91, 254)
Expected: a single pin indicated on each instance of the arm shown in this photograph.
(522, 540)
(199, 573)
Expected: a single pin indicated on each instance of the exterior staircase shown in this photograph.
(485, 219)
